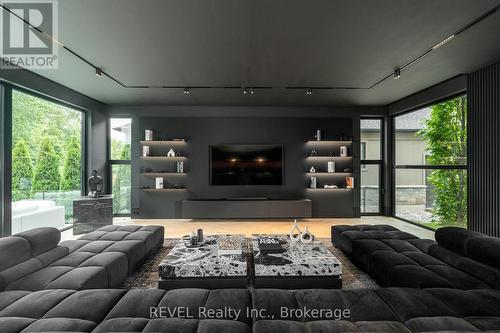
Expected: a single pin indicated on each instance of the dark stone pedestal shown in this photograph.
(90, 214)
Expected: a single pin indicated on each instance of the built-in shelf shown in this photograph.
(163, 143)
(163, 174)
(163, 158)
(326, 158)
(327, 142)
(312, 174)
(329, 189)
(163, 189)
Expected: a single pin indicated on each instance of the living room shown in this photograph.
(248, 166)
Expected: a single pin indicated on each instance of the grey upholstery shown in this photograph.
(113, 310)
(460, 258)
(379, 310)
(33, 260)
(188, 310)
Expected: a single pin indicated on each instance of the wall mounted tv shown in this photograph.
(246, 164)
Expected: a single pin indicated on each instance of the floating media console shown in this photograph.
(246, 208)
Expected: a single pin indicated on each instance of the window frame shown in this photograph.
(112, 162)
(379, 162)
(6, 90)
(395, 166)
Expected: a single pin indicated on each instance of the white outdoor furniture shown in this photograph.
(29, 214)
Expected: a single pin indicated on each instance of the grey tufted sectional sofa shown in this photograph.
(63, 298)
(35, 260)
(459, 258)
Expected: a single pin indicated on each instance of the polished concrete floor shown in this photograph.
(175, 228)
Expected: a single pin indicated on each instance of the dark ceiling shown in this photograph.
(279, 43)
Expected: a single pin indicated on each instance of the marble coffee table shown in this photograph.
(294, 265)
(206, 266)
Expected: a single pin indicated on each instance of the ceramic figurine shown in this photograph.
(306, 237)
(312, 170)
(295, 232)
(171, 153)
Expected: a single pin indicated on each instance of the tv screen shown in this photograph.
(246, 165)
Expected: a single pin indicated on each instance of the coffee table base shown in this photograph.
(298, 282)
(204, 283)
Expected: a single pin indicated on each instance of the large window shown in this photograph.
(430, 170)
(371, 165)
(120, 134)
(46, 162)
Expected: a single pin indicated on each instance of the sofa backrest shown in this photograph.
(41, 239)
(24, 253)
(455, 239)
(471, 252)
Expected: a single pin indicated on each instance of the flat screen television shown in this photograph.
(246, 164)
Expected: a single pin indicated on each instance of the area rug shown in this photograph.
(147, 275)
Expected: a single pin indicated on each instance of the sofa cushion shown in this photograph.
(13, 250)
(414, 276)
(440, 324)
(52, 255)
(381, 262)
(114, 263)
(485, 250)
(18, 271)
(458, 278)
(455, 239)
(80, 278)
(41, 239)
(134, 250)
(40, 279)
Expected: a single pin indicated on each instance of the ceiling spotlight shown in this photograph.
(441, 43)
(186, 90)
(251, 91)
(245, 91)
(98, 72)
(309, 91)
(397, 73)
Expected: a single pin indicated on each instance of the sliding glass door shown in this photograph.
(430, 172)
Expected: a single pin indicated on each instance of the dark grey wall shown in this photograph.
(202, 126)
(484, 150)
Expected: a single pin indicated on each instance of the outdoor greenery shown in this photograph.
(121, 183)
(46, 158)
(72, 167)
(46, 176)
(445, 133)
(22, 171)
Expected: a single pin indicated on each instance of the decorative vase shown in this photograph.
(318, 135)
(312, 170)
(306, 237)
(295, 232)
(331, 166)
(313, 182)
(343, 151)
(171, 153)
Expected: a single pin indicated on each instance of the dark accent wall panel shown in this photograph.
(292, 133)
(484, 150)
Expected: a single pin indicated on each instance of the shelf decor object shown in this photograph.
(295, 232)
(171, 153)
(318, 135)
(349, 182)
(331, 166)
(343, 151)
(148, 135)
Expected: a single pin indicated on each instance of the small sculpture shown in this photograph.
(312, 170)
(306, 237)
(95, 185)
(171, 153)
(295, 232)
